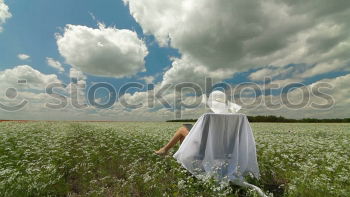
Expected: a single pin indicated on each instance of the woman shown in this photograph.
(217, 102)
(179, 135)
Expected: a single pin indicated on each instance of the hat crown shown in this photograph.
(218, 103)
(218, 96)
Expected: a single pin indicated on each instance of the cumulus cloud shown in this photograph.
(36, 108)
(148, 79)
(337, 88)
(186, 69)
(76, 89)
(26, 76)
(260, 74)
(340, 91)
(23, 56)
(32, 90)
(54, 64)
(238, 35)
(4, 13)
(157, 111)
(297, 72)
(334, 106)
(76, 74)
(105, 51)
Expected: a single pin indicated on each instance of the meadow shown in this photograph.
(117, 159)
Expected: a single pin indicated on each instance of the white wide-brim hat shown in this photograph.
(218, 103)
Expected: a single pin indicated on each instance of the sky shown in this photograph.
(125, 60)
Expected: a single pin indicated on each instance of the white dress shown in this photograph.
(220, 145)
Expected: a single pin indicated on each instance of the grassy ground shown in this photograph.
(116, 159)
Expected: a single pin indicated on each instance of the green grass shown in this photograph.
(116, 159)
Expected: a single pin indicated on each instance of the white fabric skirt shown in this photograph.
(219, 145)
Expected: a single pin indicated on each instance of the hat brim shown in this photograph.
(220, 107)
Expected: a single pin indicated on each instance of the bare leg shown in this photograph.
(179, 135)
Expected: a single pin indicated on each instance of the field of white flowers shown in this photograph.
(116, 159)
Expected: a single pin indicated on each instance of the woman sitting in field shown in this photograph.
(179, 135)
(217, 102)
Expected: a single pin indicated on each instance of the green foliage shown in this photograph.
(117, 159)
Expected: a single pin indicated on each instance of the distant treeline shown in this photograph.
(280, 119)
(183, 120)
(283, 119)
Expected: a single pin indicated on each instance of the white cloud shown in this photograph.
(285, 73)
(33, 92)
(148, 79)
(37, 110)
(238, 35)
(187, 70)
(337, 89)
(4, 13)
(217, 39)
(285, 43)
(54, 64)
(23, 56)
(34, 79)
(340, 91)
(105, 51)
(259, 75)
(77, 87)
(76, 74)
